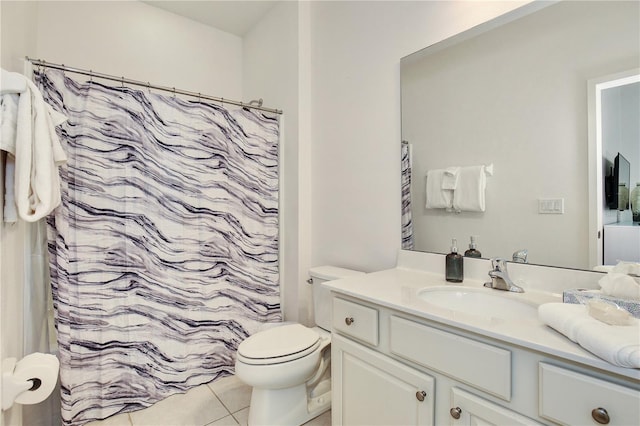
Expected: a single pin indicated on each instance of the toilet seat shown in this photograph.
(278, 344)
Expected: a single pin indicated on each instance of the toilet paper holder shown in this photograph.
(13, 386)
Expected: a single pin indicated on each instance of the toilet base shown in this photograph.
(290, 406)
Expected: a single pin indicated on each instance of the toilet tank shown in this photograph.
(322, 295)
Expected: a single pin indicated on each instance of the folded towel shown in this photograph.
(619, 285)
(8, 122)
(437, 198)
(616, 344)
(9, 214)
(629, 268)
(469, 193)
(450, 178)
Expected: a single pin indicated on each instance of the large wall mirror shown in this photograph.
(514, 93)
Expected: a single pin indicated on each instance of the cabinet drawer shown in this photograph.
(480, 365)
(355, 320)
(473, 410)
(569, 398)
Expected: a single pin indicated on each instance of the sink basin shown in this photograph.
(480, 302)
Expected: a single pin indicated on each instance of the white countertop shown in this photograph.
(398, 288)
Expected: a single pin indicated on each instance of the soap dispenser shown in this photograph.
(472, 252)
(454, 265)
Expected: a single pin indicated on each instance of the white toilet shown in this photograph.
(288, 365)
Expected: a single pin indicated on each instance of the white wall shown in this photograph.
(355, 173)
(140, 42)
(270, 70)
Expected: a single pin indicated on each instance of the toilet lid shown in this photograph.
(278, 342)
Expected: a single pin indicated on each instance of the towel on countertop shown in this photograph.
(36, 150)
(629, 268)
(437, 198)
(620, 285)
(450, 178)
(616, 344)
(469, 194)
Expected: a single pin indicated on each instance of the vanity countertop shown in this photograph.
(398, 289)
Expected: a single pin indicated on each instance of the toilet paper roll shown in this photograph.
(41, 370)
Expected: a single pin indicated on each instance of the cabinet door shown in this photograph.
(372, 389)
(468, 409)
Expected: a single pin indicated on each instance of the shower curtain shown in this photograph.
(405, 191)
(164, 252)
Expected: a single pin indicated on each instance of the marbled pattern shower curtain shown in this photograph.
(164, 252)
(405, 191)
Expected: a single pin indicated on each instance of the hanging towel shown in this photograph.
(437, 198)
(34, 145)
(469, 193)
(12, 82)
(450, 178)
(616, 344)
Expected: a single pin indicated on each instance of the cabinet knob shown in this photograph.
(420, 395)
(455, 412)
(600, 415)
(349, 320)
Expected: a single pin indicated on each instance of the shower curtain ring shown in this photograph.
(174, 92)
(122, 81)
(90, 76)
(199, 100)
(149, 87)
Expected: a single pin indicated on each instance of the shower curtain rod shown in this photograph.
(91, 73)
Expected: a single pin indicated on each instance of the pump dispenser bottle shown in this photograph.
(454, 266)
(472, 252)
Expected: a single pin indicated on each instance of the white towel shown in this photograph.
(38, 153)
(450, 178)
(622, 286)
(630, 268)
(8, 124)
(9, 213)
(616, 344)
(12, 82)
(437, 198)
(469, 193)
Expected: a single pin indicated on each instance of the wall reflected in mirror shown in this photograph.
(515, 96)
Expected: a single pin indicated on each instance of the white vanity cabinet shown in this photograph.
(470, 410)
(370, 389)
(398, 369)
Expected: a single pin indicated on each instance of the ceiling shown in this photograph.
(235, 17)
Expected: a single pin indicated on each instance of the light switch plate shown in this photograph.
(551, 205)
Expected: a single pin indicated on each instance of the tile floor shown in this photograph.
(224, 402)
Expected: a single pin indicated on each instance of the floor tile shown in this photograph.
(323, 419)
(234, 394)
(117, 420)
(242, 416)
(225, 421)
(198, 407)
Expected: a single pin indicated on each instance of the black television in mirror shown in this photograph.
(618, 184)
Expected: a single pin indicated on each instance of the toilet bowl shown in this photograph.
(288, 366)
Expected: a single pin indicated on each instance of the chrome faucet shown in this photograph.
(500, 279)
